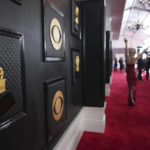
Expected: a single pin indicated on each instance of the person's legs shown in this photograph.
(116, 67)
(140, 74)
(131, 92)
(147, 73)
(121, 67)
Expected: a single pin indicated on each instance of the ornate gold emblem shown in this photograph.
(56, 34)
(58, 105)
(77, 15)
(77, 63)
(2, 81)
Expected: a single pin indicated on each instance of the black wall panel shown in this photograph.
(93, 54)
(76, 67)
(50, 12)
(12, 63)
(110, 58)
(25, 20)
(76, 27)
(44, 77)
(107, 67)
(33, 131)
(55, 114)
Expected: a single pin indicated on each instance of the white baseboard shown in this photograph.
(88, 119)
(111, 79)
(107, 89)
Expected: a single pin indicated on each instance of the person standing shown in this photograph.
(147, 66)
(140, 64)
(121, 64)
(115, 65)
(131, 73)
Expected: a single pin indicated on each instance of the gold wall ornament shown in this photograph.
(76, 20)
(76, 15)
(2, 81)
(58, 105)
(77, 11)
(56, 34)
(77, 63)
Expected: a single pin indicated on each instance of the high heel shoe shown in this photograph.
(131, 102)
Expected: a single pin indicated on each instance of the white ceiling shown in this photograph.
(114, 10)
(125, 13)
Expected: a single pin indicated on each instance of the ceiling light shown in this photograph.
(145, 3)
(137, 25)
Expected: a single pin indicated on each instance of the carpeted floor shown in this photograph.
(127, 128)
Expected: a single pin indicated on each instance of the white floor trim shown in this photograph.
(88, 119)
(107, 89)
(111, 79)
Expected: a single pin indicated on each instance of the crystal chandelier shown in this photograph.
(137, 25)
(144, 3)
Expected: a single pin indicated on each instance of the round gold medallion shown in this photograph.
(56, 34)
(58, 105)
(77, 62)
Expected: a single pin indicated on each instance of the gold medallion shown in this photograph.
(58, 105)
(76, 20)
(56, 34)
(77, 11)
(2, 81)
(76, 15)
(77, 63)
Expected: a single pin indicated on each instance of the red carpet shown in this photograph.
(127, 128)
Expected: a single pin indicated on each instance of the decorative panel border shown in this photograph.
(76, 19)
(54, 32)
(12, 95)
(55, 93)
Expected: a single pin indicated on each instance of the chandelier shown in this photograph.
(145, 3)
(137, 25)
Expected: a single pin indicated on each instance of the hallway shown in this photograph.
(127, 128)
(56, 61)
